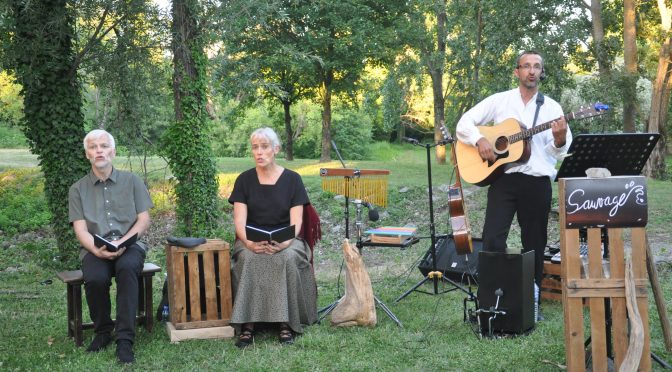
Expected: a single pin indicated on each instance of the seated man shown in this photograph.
(115, 205)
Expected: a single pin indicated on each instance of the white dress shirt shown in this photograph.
(509, 104)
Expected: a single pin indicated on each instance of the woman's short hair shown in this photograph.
(97, 133)
(267, 133)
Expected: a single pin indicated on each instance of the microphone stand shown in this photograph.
(435, 275)
(358, 225)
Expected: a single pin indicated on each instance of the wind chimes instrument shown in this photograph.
(365, 184)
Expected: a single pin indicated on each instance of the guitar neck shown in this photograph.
(458, 182)
(527, 133)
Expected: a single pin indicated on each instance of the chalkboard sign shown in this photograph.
(605, 202)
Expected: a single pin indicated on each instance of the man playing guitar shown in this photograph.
(524, 188)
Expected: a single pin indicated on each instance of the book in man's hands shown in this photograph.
(100, 242)
(256, 234)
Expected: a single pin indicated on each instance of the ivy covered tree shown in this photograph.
(187, 140)
(41, 53)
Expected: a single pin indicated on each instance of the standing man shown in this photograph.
(115, 205)
(524, 189)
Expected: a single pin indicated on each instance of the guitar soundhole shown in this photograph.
(501, 144)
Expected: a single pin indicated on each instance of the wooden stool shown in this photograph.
(75, 279)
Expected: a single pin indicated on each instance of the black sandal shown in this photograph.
(286, 335)
(245, 338)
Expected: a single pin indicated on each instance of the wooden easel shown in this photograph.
(602, 285)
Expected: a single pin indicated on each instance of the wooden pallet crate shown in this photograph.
(551, 283)
(199, 285)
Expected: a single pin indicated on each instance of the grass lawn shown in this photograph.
(433, 336)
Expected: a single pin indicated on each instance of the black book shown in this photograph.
(256, 234)
(100, 242)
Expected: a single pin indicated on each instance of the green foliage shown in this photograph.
(11, 103)
(11, 137)
(187, 141)
(484, 38)
(395, 104)
(44, 64)
(24, 206)
(11, 113)
(261, 58)
(352, 134)
(232, 136)
(308, 145)
(613, 90)
(128, 91)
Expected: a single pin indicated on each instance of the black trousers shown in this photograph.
(97, 281)
(529, 198)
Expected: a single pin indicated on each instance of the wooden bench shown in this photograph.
(75, 279)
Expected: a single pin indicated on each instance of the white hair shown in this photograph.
(97, 133)
(267, 133)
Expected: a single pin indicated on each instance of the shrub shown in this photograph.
(24, 204)
(351, 130)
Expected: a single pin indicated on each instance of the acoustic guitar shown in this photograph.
(458, 213)
(510, 142)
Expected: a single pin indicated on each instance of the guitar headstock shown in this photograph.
(587, 111)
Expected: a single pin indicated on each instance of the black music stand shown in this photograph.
(623, 154)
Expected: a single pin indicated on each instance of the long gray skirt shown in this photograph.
(273, 288)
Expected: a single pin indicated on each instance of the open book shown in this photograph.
(256, 234)
(99, 242)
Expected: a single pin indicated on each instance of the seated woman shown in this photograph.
(272, 282)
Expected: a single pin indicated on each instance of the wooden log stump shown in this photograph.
(357, 307)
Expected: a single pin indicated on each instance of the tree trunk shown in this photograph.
(326, 117)
(439, 110)
(289, 145)
(436, 73)
(630, 57)
(598, 38)
(186, 140)
(660, 98)
(401, 131)
(655, 166)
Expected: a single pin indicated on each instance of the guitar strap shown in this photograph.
(540, 102)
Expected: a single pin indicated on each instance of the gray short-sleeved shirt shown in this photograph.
(109, 208)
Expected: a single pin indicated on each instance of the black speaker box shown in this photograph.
(457, 267)
(514, 275)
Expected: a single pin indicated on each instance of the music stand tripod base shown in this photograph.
(434, 276)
